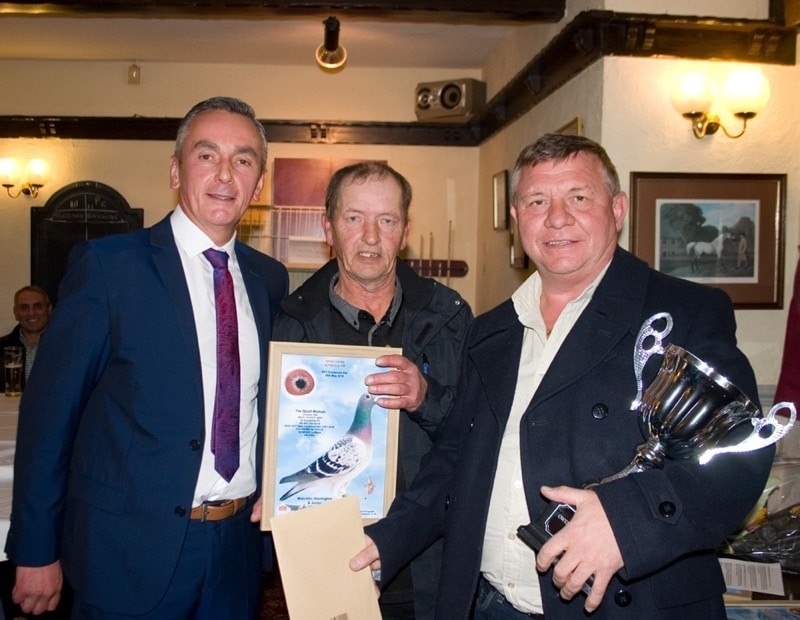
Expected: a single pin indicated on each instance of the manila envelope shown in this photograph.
(314, 546)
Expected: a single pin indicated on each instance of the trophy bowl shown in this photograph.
(690, 410)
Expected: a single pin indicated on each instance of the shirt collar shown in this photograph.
(194, 241)
(528, 296)
(350, 312)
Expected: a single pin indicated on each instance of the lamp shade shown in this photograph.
(37, 173)
(746, 92)
(9, 172)
(693, 94)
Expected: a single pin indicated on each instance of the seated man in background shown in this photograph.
(366, 296)
(32, 309)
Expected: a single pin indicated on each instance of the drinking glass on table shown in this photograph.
(12, 370)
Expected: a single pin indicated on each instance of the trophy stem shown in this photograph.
(650, 454)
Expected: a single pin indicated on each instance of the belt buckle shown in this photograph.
(209, 505)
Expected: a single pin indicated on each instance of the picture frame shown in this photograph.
(315, 394)
(518, 258)
(572, 128)
(500, 199)
(724, 230)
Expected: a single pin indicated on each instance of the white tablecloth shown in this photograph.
(9, 409)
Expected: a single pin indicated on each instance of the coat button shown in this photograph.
(471, 424)
(447, 502)
(195, 445)
(180, 511)
(622, 597)
(599, 411)
(666, 509)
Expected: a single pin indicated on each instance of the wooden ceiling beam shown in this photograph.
(475, 10)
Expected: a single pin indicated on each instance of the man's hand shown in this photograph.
(402, 387)
(368, 556)
(38, 588)
(255, 516)
(587, 543)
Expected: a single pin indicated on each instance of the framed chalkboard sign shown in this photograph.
(77, 212)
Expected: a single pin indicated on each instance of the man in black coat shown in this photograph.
(368, 296)
(544, 406)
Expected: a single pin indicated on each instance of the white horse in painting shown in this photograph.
(696, 249)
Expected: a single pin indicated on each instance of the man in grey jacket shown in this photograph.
(367, 296)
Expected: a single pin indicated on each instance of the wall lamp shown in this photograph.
(36, 175)
(745, 93)
(330, 55)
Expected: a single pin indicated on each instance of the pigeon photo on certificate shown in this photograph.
(325, 436)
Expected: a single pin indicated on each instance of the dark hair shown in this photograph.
(32, 288)
(227, 104)
(360, 173)
(558, 147)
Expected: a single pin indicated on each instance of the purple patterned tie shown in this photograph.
(225, 428)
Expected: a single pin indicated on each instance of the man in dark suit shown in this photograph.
(543, 407)
(117, 479)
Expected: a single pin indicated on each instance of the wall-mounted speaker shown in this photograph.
(451, 100)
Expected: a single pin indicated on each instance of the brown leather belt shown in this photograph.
(217, 511)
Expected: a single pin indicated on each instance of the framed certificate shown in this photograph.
(325, 436)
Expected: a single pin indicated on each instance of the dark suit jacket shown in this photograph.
(111, 426)
(579, 428)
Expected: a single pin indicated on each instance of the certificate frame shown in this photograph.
(312, 393)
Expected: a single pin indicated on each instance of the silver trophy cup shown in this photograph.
(688, 411)
(692, 411)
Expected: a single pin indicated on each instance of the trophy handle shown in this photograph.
(754, 440)
(643, 352)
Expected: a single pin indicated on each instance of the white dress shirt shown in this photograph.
(507, 563)
(192, 242)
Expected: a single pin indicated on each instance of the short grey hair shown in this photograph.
(32, 288)
(226, 104)
(558, 147)
(360, 173)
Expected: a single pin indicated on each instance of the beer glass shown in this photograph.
(13, 359)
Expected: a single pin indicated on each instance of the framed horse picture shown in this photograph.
(725, 230)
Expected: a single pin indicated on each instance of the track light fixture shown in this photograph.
(330, 55)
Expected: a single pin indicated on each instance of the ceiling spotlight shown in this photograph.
(330, 55)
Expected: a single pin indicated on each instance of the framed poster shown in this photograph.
(500, 200)
(325, 436)
(725, 230)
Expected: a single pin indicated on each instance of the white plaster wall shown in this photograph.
(643, 133)
(170, 89)
(740, 9)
